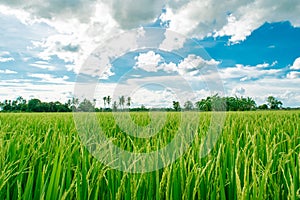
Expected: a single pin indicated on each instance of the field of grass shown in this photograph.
(256, 157)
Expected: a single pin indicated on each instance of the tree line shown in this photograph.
(211, 103)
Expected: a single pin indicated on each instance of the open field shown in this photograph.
(256, 157)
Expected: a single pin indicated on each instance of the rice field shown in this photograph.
(255, 157)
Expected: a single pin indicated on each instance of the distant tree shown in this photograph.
(34, 105)
(104, 101)
(74, 103)
(6, 105)
(204, 104)
(86, 106)
(143, 108)
(217, 103)
(108, 100)
(274, 103)
(115, 106)
(122, 101)
(128, 102)
(263, 107)
(246, 104)
(188, 105)
(176, 106)
(1, 106)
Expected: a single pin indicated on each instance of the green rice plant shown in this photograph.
(255, 157)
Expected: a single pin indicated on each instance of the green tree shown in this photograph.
(108, 100)
(86, 106)
(204, 104)
(122, 101)
(188, 105)
(128, 102)
(263, 107)
(274, 103)
(115, 106)
(74, 103)
(34, 105)
(104, 102)
(176, 106)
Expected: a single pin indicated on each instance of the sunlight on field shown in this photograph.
(255, 157)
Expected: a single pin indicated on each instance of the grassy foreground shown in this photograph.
(256, 157)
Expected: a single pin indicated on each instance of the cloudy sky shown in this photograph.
(153, 51)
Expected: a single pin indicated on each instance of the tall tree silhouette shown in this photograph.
(122, 101)
(108, 100)
(128, 102)
(104, 101)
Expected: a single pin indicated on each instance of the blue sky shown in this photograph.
(243, 48)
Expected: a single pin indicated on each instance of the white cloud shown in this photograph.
(293, 75)
(239, 29)
(43, 65)
(156, 91)
(239, 91)
(236, 18)
(81, 9)
(172, 41)
(7, 71)
(168, 67)
(106, 73)
(4, 53)
(148, 61)
(153, 98)
(296, 64)
(244, 73)
(131, 14)
(5, 57)
(193, 64)
(48, 78)
(80, 27)
(20, 14)
(28, 89)
(261, 88)
(87, 18)
(189, 66)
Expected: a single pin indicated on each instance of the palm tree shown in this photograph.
(188, 105)
(108, 99)
(128, 101)
(176, 105)
(104, 100)
(115, 106)
(121, 101)
(74, 103)
(274, 103)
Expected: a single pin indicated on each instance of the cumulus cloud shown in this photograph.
(286, 90)
(58, 9)
(168, 67)
(293, 75)
(131, 14)
(193, 64)
(239, 91)
(296, 64)
(75, 40)
(148, 61)
(236, 19)
(189, 66)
